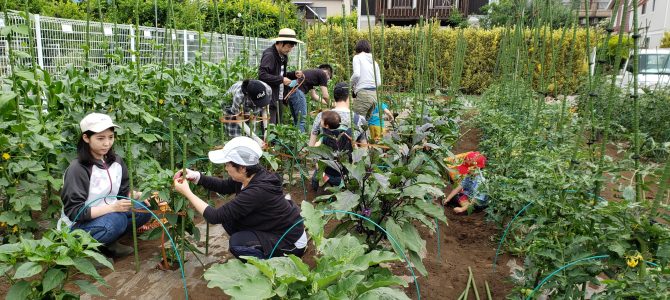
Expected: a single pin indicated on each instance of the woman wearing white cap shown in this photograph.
(259, 214)
(98, 173)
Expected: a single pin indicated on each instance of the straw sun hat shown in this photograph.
(287, 35)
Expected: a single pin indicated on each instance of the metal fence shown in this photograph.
(56, 43)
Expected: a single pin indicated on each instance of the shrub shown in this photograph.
(352, 19)
(325, 44)
(665, 41)
(258, 18)
(624, 50)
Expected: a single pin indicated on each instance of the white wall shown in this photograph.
(655, 21)
(333, 7)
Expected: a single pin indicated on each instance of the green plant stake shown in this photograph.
(209, 195)
(183, 206)
(132, 211)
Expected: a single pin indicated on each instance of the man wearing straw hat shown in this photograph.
(272, 70)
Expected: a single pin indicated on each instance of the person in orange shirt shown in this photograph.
(468, 191)
(455, 162)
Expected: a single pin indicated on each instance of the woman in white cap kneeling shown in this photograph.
(91, 185)
(259, 214)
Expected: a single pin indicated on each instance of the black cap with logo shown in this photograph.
(257, 92)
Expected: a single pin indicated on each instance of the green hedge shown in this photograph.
(325, 44)
(259, 18)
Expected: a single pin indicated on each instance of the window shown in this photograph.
(654, 64)
(442, 3)
(602, 5)
(644, 8)
(401, 3)
(653, 5)
(311, 12)
(321, 11)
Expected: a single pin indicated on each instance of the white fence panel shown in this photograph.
(57, 43)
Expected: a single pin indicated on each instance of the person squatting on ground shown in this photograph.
(468, 190)
(272, 70)
(341, 139)
(259, 214)
(298, 101)
(363, 82)
(251, 97)
(97, 173)
(375, 124)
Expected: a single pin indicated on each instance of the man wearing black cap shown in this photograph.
(250, 98)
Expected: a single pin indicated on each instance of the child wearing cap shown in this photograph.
(468, 191)
(259, 214)
(250, 97)
(91, 185)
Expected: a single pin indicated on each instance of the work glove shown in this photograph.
(293, 83)
(192, 176)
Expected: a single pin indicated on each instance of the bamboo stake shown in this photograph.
(488, 290)
(132, 212)
(636, 103)
(345, 29)
(474, 285)
(183, 206)
(209, 195)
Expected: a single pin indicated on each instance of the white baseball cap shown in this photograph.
(96, 122)
(241, 150)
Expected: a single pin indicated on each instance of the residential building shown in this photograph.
(408, 12)
(320, 10)
(595, 10)
(653, 21)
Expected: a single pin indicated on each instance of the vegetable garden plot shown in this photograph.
(546, 174)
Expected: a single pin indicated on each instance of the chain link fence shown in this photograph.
(55, 43)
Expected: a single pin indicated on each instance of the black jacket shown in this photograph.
(261, 207)
(269, 71)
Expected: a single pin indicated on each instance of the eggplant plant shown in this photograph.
(393, 187)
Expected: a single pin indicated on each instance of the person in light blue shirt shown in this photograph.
(375, 124)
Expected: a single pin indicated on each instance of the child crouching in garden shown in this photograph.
(468, 191)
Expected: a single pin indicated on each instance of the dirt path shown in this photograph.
(466, 242)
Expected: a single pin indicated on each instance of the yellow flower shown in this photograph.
(183, 102)
(15, 229)
(161, 101)
(3, 224)
(6, 156)
(633, 260)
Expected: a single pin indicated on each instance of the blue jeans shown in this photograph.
(110, 227)
(298, 103)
